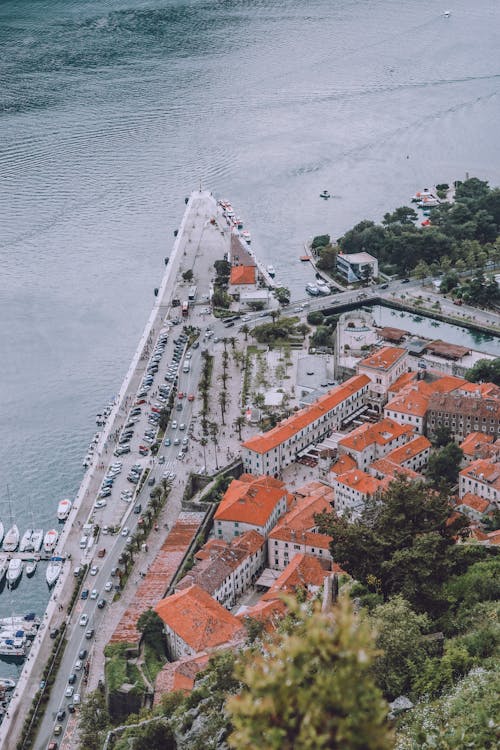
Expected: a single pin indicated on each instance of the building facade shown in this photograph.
(356, 267)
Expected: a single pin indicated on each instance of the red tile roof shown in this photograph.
(474, 502)
(344, 463)
(250, 500)
(485, 471)
(302, 572)
(384, 358)
(381, 433)
(409, 450)
(409, 401)
(157, 580)
(405, 379)
(197, 619)
(289, 427)
(298, 524)
(474, 441)
(385, 468)
(361, 482)
(242, 275)
(268, 612)
(179, 675)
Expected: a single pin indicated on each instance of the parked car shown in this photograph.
(84, 620)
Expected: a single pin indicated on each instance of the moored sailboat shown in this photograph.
(14, 571)
(11, 540)
(37, 539)
(31, 567)
(53, 570)
(26, 544)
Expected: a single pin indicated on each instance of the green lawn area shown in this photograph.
(153, 662)
(119, 670)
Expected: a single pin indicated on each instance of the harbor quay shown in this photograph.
(200, 207)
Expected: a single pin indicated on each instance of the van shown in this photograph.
(83, 542)
(186, 367)
(77, 571)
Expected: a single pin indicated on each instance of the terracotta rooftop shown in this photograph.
(409, 450)
(197, 619)
(384, 358)
(250, 499)
(474, 502)
(304, 571)
(289, 427)
(344, 463)
(299, 524)
(381, 433)
(384, 468)
(485, 389)
(405, 379)
(409, 401)
(474, 405)
(268, 612)
(485, 471)
(361, 482)
(161, 572)
(393, 334)
(179, 675)
(242, 275)
(474, 442)
(449, 351)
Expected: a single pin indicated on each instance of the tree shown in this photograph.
(321, 240)
(442, 436)
(154, 735)
(485, 371)
(311, 689)
(246, 330)
(401, 544)
(239, 422)
(315, 318)
(400, 640)
(421, 270)
(327, 260)
(282, 294)
(444, 464)
(402, 215)
(449, 281)
(188, 275)
(303, 329)
(93, 720)
(150, 625)
(222, 268)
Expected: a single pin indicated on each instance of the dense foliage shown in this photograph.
(464, 232)
(485, 371)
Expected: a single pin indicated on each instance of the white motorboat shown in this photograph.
(7, 684)
(50, 540)
(31, 567)
(271, 271)
(63, 509)
(37, 539)
(15, 648)
(324, 194)
(53, 570)
(2, 531)
(29, 623)
(26, 544)
(14, 571)
(322, 287)
(11, 540)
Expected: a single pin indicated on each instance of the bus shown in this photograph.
(192, 293)
(185, 309)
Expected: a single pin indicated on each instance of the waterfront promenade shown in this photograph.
(199, 207)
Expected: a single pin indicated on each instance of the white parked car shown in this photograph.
(84, 620)
(94, 594)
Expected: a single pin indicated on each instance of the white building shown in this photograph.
(250, 504)
(357, 267)
(383, 367)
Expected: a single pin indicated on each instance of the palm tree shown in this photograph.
(232, 341)
(246, 330)
(203, 443)
(239, 422)
(223, 399)
(214, 429)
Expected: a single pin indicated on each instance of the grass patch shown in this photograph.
(118, 669)
(153, 662)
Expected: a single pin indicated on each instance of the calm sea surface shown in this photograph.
(111, 112)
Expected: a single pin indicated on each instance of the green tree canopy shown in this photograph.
(188, 275)
(485, 371)
(312, 689)
(150, 625)
(321, 240)
(444, 464)
(93, 719)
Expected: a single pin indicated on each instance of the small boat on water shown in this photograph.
(14, 648)
(4, 563)
(14, 571)
(31, 567)
(37, 539)
(271, 271)
(323, 287)
(324, 194)
(29, 622)
(50, 540)
(53, 570)
(312, 289)
(63, 509)
(11, 540)
(26, 544)
(245, 235)
(7, 684)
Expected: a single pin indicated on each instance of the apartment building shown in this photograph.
(369, 442)
(473, 506)
(410, 405)
(195, 622)
(354, 489)
(463, 414)
(413, 455)
(226, 570)
(250, 504)
(270, 452)
(296, 532)
(481, 478)
(478, 445)
(383, 367)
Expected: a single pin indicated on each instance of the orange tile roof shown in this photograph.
(289, 427)
(475, 502)
(494, 537)
(299, 522)
(200, 621)
(405, 379)
(159, 576)
(242, 275)
(474, 441)
(303, 571)
(268, 612)
(381, 433)
(384, 358)
(391, 470)
(179, 675)
(410, 401)
(250, 542)
(250, 500)
(361, 481)
(409, 450)
(344, 463)
(486, 471)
